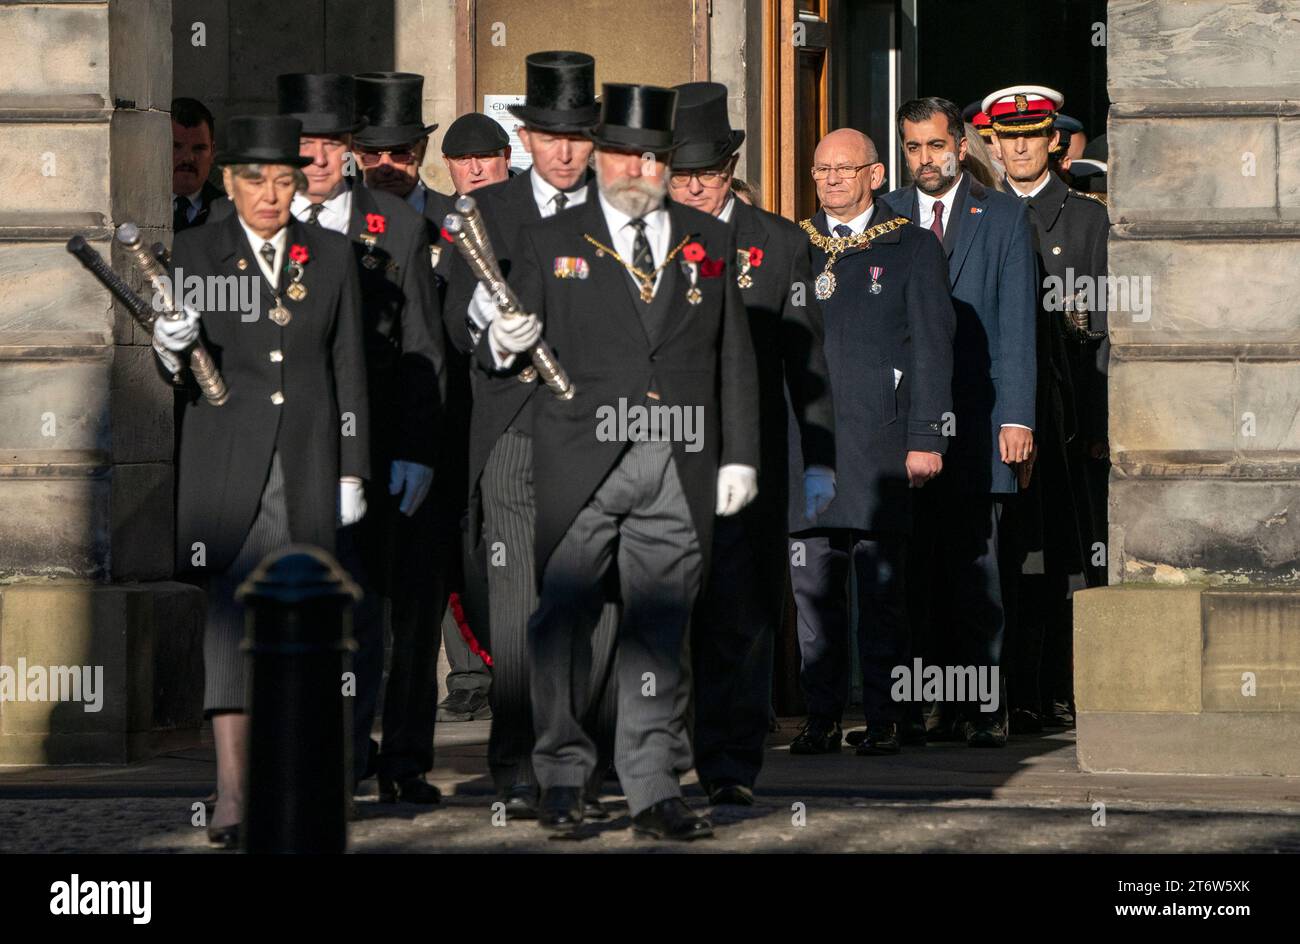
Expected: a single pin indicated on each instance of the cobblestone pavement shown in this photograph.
(943, 798)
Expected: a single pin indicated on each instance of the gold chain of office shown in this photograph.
(645, 280)
(833, 246)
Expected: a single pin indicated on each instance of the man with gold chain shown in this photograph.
(889, 321)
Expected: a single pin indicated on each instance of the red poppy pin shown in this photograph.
(298, 253)
(711, 268)
(375, 222)
(693, 252)
(446, 235)
(755, 256)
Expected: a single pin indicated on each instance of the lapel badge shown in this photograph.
(435, 253)
(876, 273)
(241, 265)
(369, 260)
(298, 256)
(571, 267)
(976, 210)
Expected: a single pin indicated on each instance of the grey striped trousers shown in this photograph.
(638, 523)
(223, 660)
(508, 533)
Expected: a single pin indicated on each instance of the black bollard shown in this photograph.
(298, 636)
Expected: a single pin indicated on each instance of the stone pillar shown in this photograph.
(85, 422)
(425, 42)
(1190, 660)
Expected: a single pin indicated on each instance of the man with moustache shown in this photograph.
(391, 149)
(988, 242)
(1058, 522)
(193, 140)
(397, 552)
(559, 108)
(889, 328)
(743, 600)
(640, 295)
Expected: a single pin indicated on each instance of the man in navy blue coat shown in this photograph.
(988, 241)
(888, 340)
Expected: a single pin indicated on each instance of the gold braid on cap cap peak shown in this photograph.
(1000, 128)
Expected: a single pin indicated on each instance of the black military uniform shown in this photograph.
(1057, 523)
(743, 600)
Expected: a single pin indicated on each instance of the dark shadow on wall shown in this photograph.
(227, 53)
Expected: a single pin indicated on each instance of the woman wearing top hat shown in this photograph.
(284, 458)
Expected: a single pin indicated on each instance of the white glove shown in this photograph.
(352, 501)
(169, 360)
(179, 334)
(482, 309)
(737, 486)
(515, 335)
(412, 479)
(818, 490)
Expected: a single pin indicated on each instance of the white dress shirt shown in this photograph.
(858, 224)
(1047, 178)
(337, 214)
(925, 205)
(544, 195)
(195, 201)
(270, 271)
(725, 213)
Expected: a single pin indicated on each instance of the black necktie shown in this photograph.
(642, 257)
(843, 230)
(180, 214)
(268, 253)
(561, 200)
(313, 213)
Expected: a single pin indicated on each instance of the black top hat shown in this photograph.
(636, 118)
(473, 133)
(703, 132)
(324, 102)
(391, 104)
(561, 92)
(262, 139)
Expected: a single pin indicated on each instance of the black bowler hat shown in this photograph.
(703, 132)
(324, 102)
(561, 92)
(473, 133)
(262, 139)
(635, 118)
(391, 104)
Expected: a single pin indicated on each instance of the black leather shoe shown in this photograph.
(854, 738)
(521, 802)
(1024, 721)
(592, 808)
(408, 790)
(672, 819)
(985, 734)
(225, 837)
(880, 738)
(1058, 716)
(912, 734)
(470, 704)
(561, 808)
(817, 737)
(731, 794)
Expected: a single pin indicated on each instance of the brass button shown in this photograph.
(1056, 250)
(652, 395)
(277, 356)
(277, 398)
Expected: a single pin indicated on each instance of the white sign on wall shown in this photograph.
(494, 106)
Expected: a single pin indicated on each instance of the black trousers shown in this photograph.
(399, 564)
(958, 600)
(732, 639)
(821, 561)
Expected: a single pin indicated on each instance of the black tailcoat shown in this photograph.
(209, 194)
(702, 357)
(226, 450)
(907, 326)
(788, 334)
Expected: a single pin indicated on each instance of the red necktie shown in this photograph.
(936, 226)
